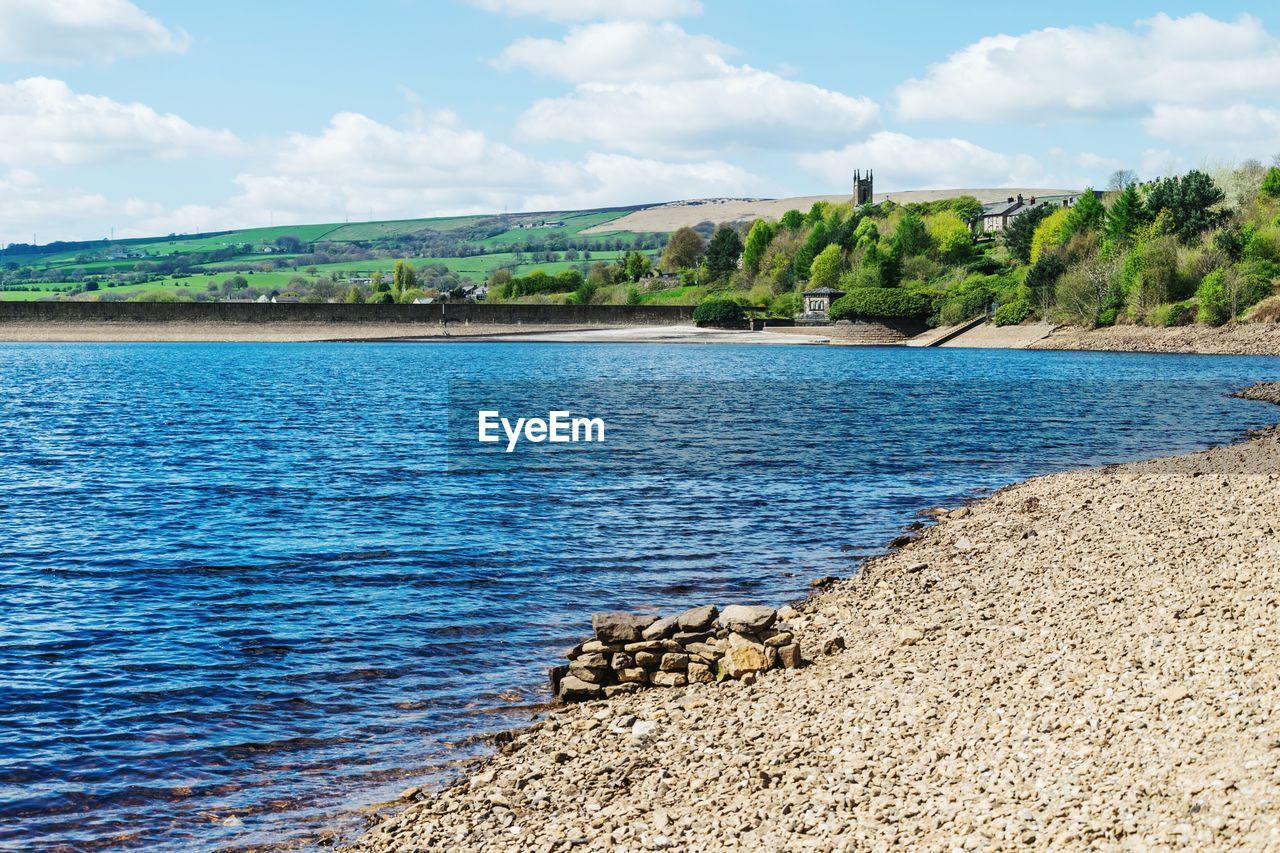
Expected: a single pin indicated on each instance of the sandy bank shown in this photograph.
(1084, 659)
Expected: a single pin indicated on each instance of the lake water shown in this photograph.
(276, 583)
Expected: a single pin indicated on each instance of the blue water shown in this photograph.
(257, 582)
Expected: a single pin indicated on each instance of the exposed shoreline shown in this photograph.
(1241, 339)
(1084, 658)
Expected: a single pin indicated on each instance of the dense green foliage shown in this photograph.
(719, 313)
(723, 252)
(871, 303)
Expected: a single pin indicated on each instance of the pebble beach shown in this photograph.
(1086, 659)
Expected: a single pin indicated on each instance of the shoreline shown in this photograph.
(1241, 339)
(1086, 657)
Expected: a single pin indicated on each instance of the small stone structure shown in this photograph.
(817, 304)
(629, 653)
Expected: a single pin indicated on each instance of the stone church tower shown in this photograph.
(863, 188)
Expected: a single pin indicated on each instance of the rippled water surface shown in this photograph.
(247, 589)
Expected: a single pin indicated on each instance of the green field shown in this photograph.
(272, 269)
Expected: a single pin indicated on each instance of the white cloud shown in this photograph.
(904, 162)
(32, 209)
(1058, 73)
(619, 52)
(657, 91)
(44, 121)
(357, 166)
(1242, 129)
(591, 10)
(73, 31)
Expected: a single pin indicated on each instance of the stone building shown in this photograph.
(863, 188)
(817, 304)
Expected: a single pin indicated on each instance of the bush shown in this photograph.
(786, 305)
(1013, 313)
(719, 313)
(871, 303)
(1175, 314)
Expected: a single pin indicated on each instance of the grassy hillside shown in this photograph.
(451, 252)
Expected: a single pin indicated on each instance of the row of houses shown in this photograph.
(995, 217)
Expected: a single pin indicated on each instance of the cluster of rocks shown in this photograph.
(701, 645)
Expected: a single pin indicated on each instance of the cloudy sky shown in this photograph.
(160, 116)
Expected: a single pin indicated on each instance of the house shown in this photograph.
(285, 300)
(995, 217)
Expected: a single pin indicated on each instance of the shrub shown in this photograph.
(1050, 233)
(786, 305)
(1013, 313)
(869, 303)
(1212, 296)
(719, 313)
(1175, 314)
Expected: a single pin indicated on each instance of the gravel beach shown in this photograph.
(1087, 659)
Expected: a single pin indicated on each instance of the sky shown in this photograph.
(155, 117)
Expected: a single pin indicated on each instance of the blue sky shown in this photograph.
(156, 116)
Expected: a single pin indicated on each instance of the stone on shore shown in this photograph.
(576, 690)
(747, 619)
(661, 629)
(620, 627)
(698, 618)
(742, 656)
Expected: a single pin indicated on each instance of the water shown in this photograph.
(256, 581)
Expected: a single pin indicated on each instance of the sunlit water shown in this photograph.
(250, 582)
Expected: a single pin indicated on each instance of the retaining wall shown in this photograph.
(256, 312)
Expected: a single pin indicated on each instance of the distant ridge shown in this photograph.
(678, 214)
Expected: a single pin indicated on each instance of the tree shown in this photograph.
(791, 220)
(911, 237)
(723, 252)
(1087, 214)
(1050, 233)
(952, 235)
(353, 296)
(405, 277)
(1017, 236)
(1191, 201)
(636, 265)
(1125, 215)
(758, 239)
(1122, 179)
(826, 267)
(1271, 183)
(817, 240)
(684, 250)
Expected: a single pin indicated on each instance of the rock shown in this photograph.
(786, 612)
(592, 660)
(232, 822)
(778, 639)
(770, 657)
(1174, 693)
(789, 656)
(835, 645)
(749, 678)
(672, 662)
(554, 674)
(644, 729)
(648, 660)
(589, 674)
(700, 673)
(643, 646)
(410, 793)
(742, 656)
(917, 567)
(633, 675)
(621, 660)
(576, 690)
(595, 647)
(901, 541)
(698, 618)
(704, 650)
(823, 582)
(669, 679)
(747, 619)
(661, 629)
(620, 689)
(684, 638)
(620, 627)
(574, 651)
(909, 636)
(957, 514)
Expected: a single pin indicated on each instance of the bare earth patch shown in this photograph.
(1088, 659)
(1235, 339)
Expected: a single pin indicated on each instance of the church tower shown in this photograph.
(863, 188)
